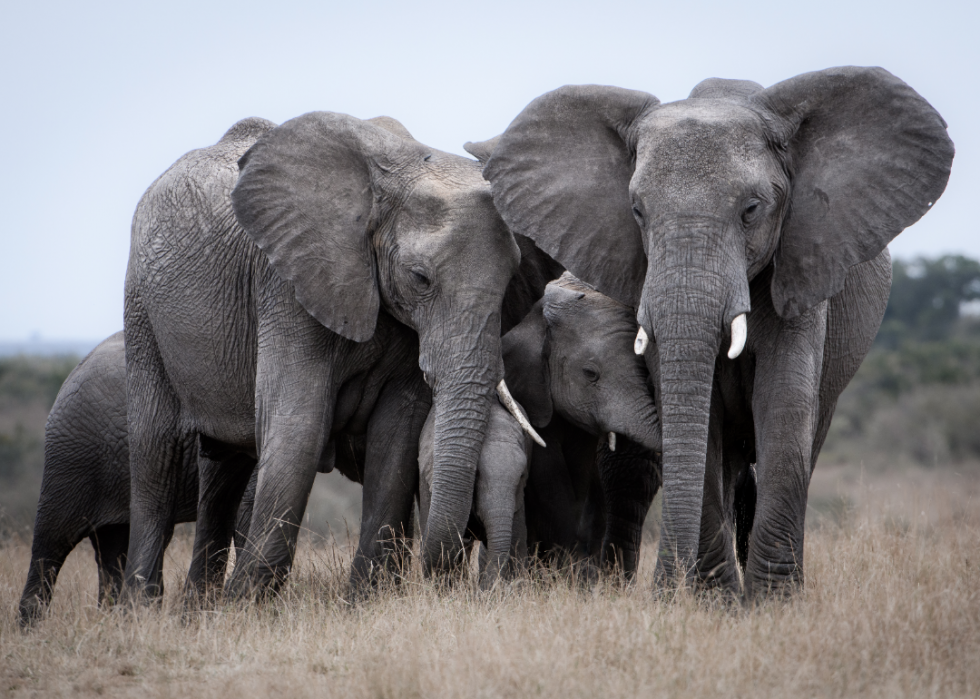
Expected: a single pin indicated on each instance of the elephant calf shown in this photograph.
(85, 487)
(570, 363)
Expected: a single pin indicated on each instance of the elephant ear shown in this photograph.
(481, 150)
(560, 175)
(305, 196)
(868, 156)
(525, 351)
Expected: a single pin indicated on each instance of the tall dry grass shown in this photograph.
(891, 608)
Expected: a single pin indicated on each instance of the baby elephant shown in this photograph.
(85, 486)
(570, 364)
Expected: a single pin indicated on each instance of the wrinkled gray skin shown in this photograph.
(497, 517)
(774, 202)
(300, 307)
(570, 364)
(85, 487)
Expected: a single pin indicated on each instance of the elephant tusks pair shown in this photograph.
(740, 331)
(508, 400)
(612, 441)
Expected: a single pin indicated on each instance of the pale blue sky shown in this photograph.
(98, 98)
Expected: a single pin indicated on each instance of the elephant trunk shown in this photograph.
(696, 286)
(499, 525)
(463, 387)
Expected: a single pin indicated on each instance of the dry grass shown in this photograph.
(891, 608)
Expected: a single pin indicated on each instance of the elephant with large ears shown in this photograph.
(288, 284)
(738, 210)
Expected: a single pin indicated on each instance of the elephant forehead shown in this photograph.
(702, 140)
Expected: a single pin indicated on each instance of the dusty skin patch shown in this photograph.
(891, 608)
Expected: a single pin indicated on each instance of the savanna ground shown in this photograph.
(891, 608)
(891, 605)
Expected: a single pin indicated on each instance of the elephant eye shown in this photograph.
(637, 214)
(421, 279)
(751, 211)
(590, 373)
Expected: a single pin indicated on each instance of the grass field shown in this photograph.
(891, 608)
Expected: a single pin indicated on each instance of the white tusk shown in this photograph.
(641, 342)
(508, 400)
(612, 441)
(740, 330)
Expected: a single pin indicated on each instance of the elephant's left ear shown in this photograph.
(868, 156)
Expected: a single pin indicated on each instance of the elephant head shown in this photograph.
(674, 209)
(573, 355)
(357, 216)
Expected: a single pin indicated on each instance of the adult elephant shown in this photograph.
(271, 309)
(777, 201)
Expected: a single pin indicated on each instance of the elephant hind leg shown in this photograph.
(224, 478)
(47, 558)
(110, 542)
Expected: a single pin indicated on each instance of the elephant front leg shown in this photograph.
(785, 407)
(391, 479)
(290, 449)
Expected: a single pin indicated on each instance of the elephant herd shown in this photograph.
(330, 293)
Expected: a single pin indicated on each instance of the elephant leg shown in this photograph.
(244, 519)
(224, 475)
(391, 478)
(48, 554)
(551, 508)
(110, 542)
(717, 567)
(630, 480)
(743, 510)
(156, 458)
(785, 410)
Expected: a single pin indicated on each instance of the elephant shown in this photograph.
(292, 284)
(570, 364)
(747, 226)
(85, 486)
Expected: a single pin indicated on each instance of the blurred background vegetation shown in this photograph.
(914, 403)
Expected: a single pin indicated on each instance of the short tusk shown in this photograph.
(508, 400)
(641, 342)
(739, 332)
(612, 441)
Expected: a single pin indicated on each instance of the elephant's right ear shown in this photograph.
(560, 175)
(525, 351)
(305, 196)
